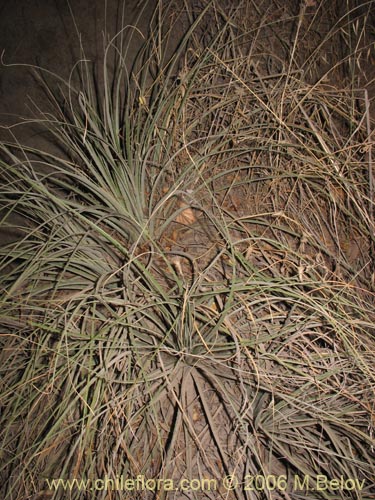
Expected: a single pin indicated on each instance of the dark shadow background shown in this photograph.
(55, 34)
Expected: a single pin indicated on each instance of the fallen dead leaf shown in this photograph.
(186, 217)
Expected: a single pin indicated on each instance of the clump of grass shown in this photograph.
(187, 299)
